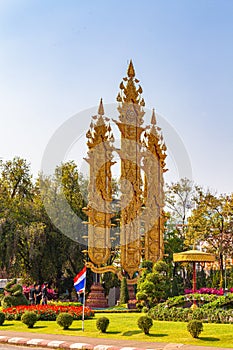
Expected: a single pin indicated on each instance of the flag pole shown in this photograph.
(84, 290)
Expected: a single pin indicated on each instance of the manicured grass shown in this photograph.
(124, 326)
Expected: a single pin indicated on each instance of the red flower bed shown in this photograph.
(47, 312)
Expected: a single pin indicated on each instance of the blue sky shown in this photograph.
(59, 57)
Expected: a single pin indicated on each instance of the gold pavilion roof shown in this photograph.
(193, 255)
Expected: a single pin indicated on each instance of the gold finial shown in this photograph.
(130, 90)
(101, 108)
(153, 117)
(131, 71)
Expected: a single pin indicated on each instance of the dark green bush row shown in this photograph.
(186, 300)
(117, 311)
(225, 302)
(187, 314)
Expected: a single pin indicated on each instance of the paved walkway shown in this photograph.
(51, 341)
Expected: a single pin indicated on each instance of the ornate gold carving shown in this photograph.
(154, 193)
(100, 188)
(130, 93)
(104, 269)
(141, 203)
(112, 269)
(130, 119)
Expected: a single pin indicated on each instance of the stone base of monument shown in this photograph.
(96, 297)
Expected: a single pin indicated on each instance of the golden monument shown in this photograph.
(142, 153)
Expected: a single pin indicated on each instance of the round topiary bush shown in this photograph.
(145, 323)
(65, 320)
(102, 324)
(145, 309)
(2, 318)
(195, 327)
(29, 318)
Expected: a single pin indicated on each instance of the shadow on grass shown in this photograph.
(129, 333)
(73, 329)
(113, 332)
(37, 327)
(7, 325)
(208, 338)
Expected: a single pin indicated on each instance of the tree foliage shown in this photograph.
(124, 293)
(31, 245)
(179, 200)
(153, 286)
(211, 225)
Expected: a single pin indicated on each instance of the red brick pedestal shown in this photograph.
(96, 297)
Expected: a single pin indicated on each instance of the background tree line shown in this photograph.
(33, 248)
(203, 220)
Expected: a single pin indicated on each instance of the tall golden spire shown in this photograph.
(153, 117)
(101, 108)
(130, 92)
(131, 71)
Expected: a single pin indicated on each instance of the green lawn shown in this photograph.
(124, 326)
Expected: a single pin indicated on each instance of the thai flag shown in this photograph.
(80, 280)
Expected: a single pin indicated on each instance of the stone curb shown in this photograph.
(59, 344)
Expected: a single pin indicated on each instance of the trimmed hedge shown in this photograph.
(64, 320)
(2, 318)
(145, 323)
(195, 328)
(102, 324)
(206, 313)
(29, 318)
(117, 311)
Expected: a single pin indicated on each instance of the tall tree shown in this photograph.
(211, 225)
(179, 200)
(16, 195)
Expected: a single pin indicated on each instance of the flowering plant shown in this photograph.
(47, 312)
(208, 291)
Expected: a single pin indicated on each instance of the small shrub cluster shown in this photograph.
(124, 293)
(102, 324)
(145, 323)
(29, 318)
(195, 328)
(2, 318)
(64, 320)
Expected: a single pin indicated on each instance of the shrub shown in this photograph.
(145, 309)
(2, 318)
(195, 327)
(102, 324)
(29, 318)
(65, 320)
(145, 323)
(124, 293)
